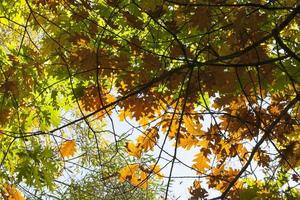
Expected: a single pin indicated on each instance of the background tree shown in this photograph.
(103, 183)
(217, 77)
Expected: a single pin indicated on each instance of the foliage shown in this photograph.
(102, 182)
(269, 189)
(218, 77)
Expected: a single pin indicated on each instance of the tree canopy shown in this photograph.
(217, 79)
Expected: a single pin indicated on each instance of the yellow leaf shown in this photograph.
(126, 173)
(141, 182)
(187, 141)
(201, 162)
(144, 180)
(242, 151)
(203, 144)
(123, 114)
(156, 170)
(172, 126)
(133, 149)
(110, 98)
(225, 148)
(13, 193)
(148, 141)
(143, 121)
(68, 148)
(192, 127)
(218, 170)
(196, 184)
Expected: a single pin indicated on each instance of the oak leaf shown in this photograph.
(148, 141)
(188, 141)
(192, 127)
(197, 191)
(134, 175)
(201, 162)
(67, 148)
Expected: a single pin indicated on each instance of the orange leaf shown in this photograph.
(68, 148)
